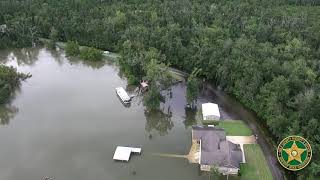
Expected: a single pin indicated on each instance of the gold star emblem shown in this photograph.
(294, 153)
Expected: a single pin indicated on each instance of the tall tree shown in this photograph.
(193, 88)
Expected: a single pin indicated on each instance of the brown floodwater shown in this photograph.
(66, 121)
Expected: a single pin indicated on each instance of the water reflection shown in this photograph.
(7, 112)
(159, 120)
(92, 64)
(25, 56)
(190, 117)
(52, 109)
(57, 55)
(4, 56)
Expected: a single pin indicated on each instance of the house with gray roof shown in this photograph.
(216, 151)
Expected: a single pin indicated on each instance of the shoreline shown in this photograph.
(265, 139)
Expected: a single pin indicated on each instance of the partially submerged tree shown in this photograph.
(193, 88)
(156, 71)
(53, 38)
(190, 118)
(90, 54)
(131, 61)
(152, 98)
(158, 75)
(72, 48)
(9, 81)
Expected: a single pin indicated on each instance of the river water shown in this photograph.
(66, 121)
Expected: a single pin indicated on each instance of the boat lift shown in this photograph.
(125, 98)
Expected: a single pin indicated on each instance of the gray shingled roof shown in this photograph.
(215, 149)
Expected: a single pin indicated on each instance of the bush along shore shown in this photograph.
(85, 53)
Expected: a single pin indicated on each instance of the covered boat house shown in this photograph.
(123, 153)
(210, 112)
(123, 95)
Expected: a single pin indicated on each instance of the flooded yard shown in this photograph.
(66, 121)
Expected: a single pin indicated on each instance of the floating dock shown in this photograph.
(125, 98)
(123, 153)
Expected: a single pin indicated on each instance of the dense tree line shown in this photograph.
(264, 52)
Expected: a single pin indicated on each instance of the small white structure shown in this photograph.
(125, 98)
(210, 111)
(106, 52)
(123, 153)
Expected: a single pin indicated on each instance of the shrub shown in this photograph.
(153, 98)
(132, 80)
(9, 80)
(91, 54)
(50, 44)
(72, 48)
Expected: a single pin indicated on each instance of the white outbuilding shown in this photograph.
(210, 111)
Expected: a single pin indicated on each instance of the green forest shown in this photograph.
(266, 53)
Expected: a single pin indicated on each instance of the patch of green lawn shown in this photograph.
(235, 128)
(256, 166)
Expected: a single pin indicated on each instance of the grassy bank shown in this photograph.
(235, 128)
(256, 166)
